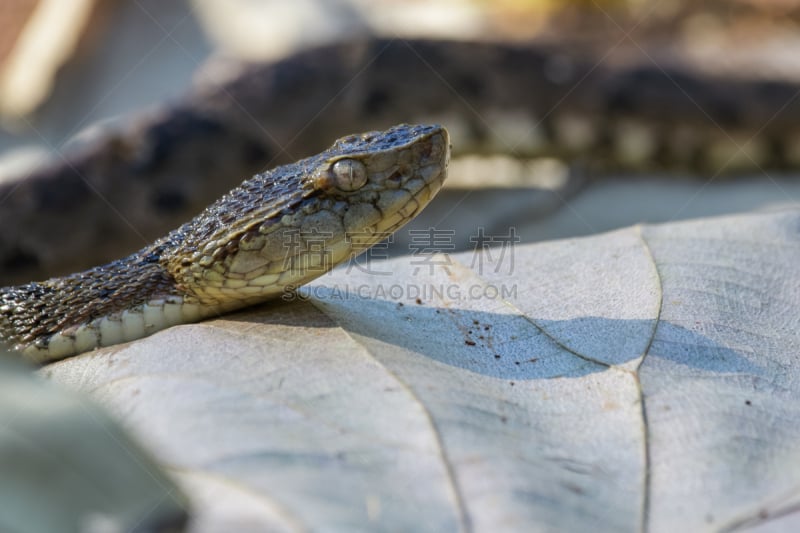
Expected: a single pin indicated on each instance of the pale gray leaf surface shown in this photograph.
(645, 379)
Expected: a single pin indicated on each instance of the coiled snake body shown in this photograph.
(277, 230)
(164, 165)
(161, 166)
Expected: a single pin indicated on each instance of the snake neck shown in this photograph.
(97, 307)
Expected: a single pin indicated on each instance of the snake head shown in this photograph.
(292, 224)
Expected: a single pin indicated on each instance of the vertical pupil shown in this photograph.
(349, 174)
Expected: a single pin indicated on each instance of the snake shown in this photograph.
(126, 183)
(271, 234)
(161, 166)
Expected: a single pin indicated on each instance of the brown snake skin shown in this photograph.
(276, 231)
(165, 165)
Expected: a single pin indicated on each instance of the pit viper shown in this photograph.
(130, 183)
(275, 231)
(127, 183)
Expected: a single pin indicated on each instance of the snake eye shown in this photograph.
(349, 174)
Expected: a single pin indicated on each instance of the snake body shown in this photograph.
(162, 166)
(275, 231)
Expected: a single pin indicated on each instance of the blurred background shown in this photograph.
(70, 69)
(78, 77)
